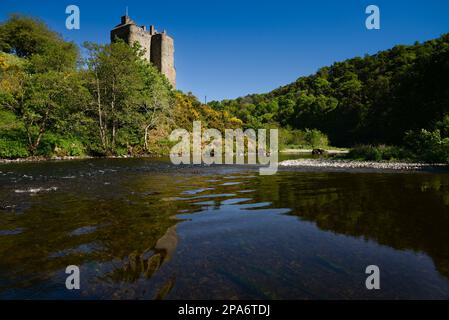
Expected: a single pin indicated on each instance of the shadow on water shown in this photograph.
(146, 229)
(402, 211)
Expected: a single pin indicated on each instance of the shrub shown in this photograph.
(310, 138)
(315, 138)
(11, 149)
(56, 145)
(428, 146)
(378, 153)
(365, 152)
(71, 147)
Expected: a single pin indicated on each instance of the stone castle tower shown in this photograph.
(159, 47)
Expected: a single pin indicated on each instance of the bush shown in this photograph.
(96, 150)
(428, 146)
(310, 138)
(12, 136)
(364, 152)
(378, 153)
(10, 149)
(285, 138)
(55, 145)
(70, 147)
(315, 138)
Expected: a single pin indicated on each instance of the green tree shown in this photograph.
(131, 97)
(40, 102)
(156, 100)
(30, 38)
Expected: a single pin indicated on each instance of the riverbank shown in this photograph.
(356, 164)
(154, 155)
(308, 164)
(309, 151)
(41, 159)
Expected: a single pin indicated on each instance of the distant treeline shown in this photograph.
(377, 99)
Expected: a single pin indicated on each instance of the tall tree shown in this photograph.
(31, 38)
(129, 94)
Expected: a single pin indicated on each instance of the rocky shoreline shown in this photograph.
(355, 164)
(41, 159)
(307, 164)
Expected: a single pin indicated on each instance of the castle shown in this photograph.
(159, 47)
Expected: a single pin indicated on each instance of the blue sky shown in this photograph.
(226, 49)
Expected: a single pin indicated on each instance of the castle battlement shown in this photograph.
(159, 46)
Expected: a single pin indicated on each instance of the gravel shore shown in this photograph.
(353, 164)
(309, 151)
(41, 159)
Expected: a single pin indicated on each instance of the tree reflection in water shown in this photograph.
(142, 229)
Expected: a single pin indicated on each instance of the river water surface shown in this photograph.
(145, 229)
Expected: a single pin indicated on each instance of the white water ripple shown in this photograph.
(35, 190)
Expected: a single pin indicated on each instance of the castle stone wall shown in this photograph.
(137, 34)
(163, 55)
(159, 47)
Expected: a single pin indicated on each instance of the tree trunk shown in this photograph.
(100, 114)
(114, 124)
(146, 137)
(35, 144)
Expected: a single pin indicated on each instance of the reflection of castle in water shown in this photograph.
(130, 245)
(148, 262)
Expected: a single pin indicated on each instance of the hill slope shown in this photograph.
(374, 99)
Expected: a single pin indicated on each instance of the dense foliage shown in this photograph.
(371, 100)
(302, 139)
(112, 102)
(380, 152)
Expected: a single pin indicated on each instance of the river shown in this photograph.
(146, 229)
